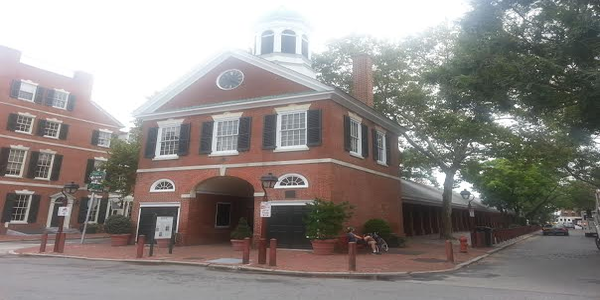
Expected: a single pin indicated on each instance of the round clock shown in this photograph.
(230, 79)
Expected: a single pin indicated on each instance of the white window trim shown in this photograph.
(66, 101)
(213, 146)
(30, 194)
(26, 149)
(217, 212)
(155, 184)
(101, 159)
(278, 186)
(382, 160)
(57, 130)
(32, 122)
(292, 108)
(285, 111)
(53, 153)
(358, 152)
(95, 218)
(105, 131)
(34, 93)
(161, 125)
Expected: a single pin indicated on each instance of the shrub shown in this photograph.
(242, 230)
(91, 228)
(380, 226)
(118, 224)
(326, 219)
(396, 241)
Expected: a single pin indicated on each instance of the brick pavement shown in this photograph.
(51, 236)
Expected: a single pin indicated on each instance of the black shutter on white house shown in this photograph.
(364, 139)
(15, 87)
(49, 97)
(11, 125)
(244, 134)
(56, 167)
(374, 138)
(206, 135)
(184, 139)
(388, 149)
(270, 132)
(102, 210)
(39, 95)
(95, 136)
(83, 205)
(150, 149)
(88, 170)
(33, 161)
(41, 129)
(34, 207)
(71, 102)
(4, 153)
(347, 146)
(64, 130)
(8, 207)
(314, 128)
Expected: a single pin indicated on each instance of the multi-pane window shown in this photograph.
(27, 91)
(99, 164)
(355, 143)
(293, 129)
(93, 217)
(291, 181)
(223, 215)
(52, 129)
(169, 140)
(16, 160)
(24, 124)
(226, 135)
(162, 186)
(60, 99)
(20, 208)
(104, 139)
(381, 151)
(44, 165)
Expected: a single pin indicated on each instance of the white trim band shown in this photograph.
(51, 144)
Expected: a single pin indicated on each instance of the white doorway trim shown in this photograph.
(158, 204)
(53, 199)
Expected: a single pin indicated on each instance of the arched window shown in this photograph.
(288, 41)
(304, 46)
(291, 181)
(163, 185)
(267, 41)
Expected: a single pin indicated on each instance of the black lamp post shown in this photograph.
(268, 182)
(68, 189)
(467, 196)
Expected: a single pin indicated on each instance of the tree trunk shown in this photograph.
(446, 232)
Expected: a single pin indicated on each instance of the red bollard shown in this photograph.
(56, 243)
(140, 246)
(273, 252)
(246, 254)
(463, 244)
(480, 238)
(262, 251)
(61, 242)
(43, 242)
(449, 252)
(352, 256)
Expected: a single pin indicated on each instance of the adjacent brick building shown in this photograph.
(51, 134)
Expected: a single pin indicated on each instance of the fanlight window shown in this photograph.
(289, 181)
(163, 185)
(267, 42)
(288, 41)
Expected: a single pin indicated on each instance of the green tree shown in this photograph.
(123, 163)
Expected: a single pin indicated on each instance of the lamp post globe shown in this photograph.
(70, 188)
(465, 194)
(268, 181)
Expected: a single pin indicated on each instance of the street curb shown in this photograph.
(257, 270)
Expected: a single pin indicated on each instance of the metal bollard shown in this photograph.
(262, 251)
(463, 244)
(43, 243)
(352, 256)
(140, 246)
(273, 252)
(449, 252)
(246, 252)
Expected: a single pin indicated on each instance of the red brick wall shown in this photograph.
(362, 78)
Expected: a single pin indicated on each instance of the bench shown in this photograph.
(342, 244)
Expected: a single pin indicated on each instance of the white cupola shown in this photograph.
(283, 37)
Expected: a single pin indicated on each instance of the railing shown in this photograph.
(505, 234)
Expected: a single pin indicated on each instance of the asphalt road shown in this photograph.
(538, 268)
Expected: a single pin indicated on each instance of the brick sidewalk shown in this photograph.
(415, 257)
(51, 236)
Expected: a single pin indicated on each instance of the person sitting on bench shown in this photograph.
(367, 239)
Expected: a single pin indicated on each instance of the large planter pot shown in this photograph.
(163, 243)
(238, 245)
(119, 239)
(323, 247)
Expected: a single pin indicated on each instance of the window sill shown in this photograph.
(356, 155)
(63, 108)
(13, 176)
(51, 137)
(382, 163)
(18, 222)
(23, 132)
(23, 99)
(291, 149)
(103, 146)
(166, 157)
(162, 191)
(224, 153)
(40, 178)
(222, 227)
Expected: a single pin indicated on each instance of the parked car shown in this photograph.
(557, 229)
(569, 225)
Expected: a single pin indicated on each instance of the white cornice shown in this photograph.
(50, 144)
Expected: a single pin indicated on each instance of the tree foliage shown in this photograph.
(123, 163)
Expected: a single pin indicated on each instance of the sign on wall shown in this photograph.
(164, 228)
(63, 211)
(265, 210)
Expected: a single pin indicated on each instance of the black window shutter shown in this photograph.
(88, 169)
(374, 137)
(388, 149)
(34, 207)
(270, 132)
(206, 137)
(12, 122)
(184, 139)
(56, 167)
(83, 205)
(4, 152)
(347, 133)
(102, 210)
(33, 161)
(49, 97)
(314, 129)
(8, 207)
(64, 130)
(39, 95)
(41, 129)
(244, 134)
(150, 149)
(15, 87)
(71, 103)
(95, 136)
(364, 137)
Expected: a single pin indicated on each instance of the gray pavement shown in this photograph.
(538, 268)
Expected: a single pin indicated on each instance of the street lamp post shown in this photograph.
(68, 189)
(268, 182)
(467, 196)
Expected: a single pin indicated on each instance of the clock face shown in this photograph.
(230, 79)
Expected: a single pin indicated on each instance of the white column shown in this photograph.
(258, 44)
(299, 42)
(277, 47)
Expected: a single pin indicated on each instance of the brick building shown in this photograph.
(52, 134)
(211, 135)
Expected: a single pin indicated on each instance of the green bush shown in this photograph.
(118, 224)
(242, 230)
(91, 228)
(325, 219)
(380, 226)
(396, 241)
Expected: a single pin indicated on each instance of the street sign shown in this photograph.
(96, 178)
(63, 211)
(164, 227)
(265, 210)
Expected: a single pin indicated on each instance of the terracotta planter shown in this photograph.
(323, 247)
(119, 239)
(163, 243)
(238, 245)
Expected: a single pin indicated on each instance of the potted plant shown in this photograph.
(238, 235)
(324, 222)
(119, 227)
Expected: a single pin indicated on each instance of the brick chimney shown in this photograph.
(362, 78)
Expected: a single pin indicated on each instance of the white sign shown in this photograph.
(164, 227)
(63, 211)
(265, 210)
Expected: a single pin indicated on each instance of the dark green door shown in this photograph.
(147, 219)
(287, 226)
